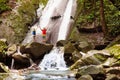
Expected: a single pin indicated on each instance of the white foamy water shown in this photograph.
(66, 21)
(54, 60)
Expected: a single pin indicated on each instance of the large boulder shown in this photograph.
(84, 46)
(69, 48)
(93, 57)
(21, 61)
(36, 49)
(91, 69)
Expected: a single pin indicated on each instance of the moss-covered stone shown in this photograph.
(115, 50)
(3, 46)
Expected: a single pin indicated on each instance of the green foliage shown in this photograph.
(88, 13)
(20, 20)
(26, 15)
(3, 46)
(3, 6)
(91, 12)
(44, 2)
(112, 15)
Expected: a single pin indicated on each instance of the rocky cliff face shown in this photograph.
(15, 22)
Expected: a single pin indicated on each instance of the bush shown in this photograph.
(4, 6)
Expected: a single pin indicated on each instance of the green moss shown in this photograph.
(100, 57)
(74, 34)
(20, 21)
(4, 6)
(115, 50)
(3, 46)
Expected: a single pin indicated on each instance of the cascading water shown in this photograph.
(66, 21)
(58, 29)
(53, 60)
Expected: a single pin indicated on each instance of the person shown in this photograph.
(44, 31)
(34, 34)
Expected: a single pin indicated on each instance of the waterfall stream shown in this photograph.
(53, 60)
(56, 17)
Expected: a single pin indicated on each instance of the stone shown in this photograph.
(11, 49)
(3, 68)
(85, 77)
(36, 49)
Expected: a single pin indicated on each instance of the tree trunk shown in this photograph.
(94, 8)
(102, 18)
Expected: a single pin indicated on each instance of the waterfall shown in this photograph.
(56, 17)
(53, 60)
(65, 23)
(57, 29)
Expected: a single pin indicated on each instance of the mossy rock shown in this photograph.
(115, 50)
(69, 48)
(3, 46)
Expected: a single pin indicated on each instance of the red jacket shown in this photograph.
(44, 31)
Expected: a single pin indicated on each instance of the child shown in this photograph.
(44, 34)
(34, 34)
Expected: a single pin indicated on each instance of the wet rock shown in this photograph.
(61, 43)
(91, 60)
(91, 69)
(116, 64)
(101, 55)
(85, 77)
(69, 48)
(84, 46)
(93, 57)
(21, 61)
(36, 49)
(3, 68)
(24, 58)
(109, 62)
(76, 56)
